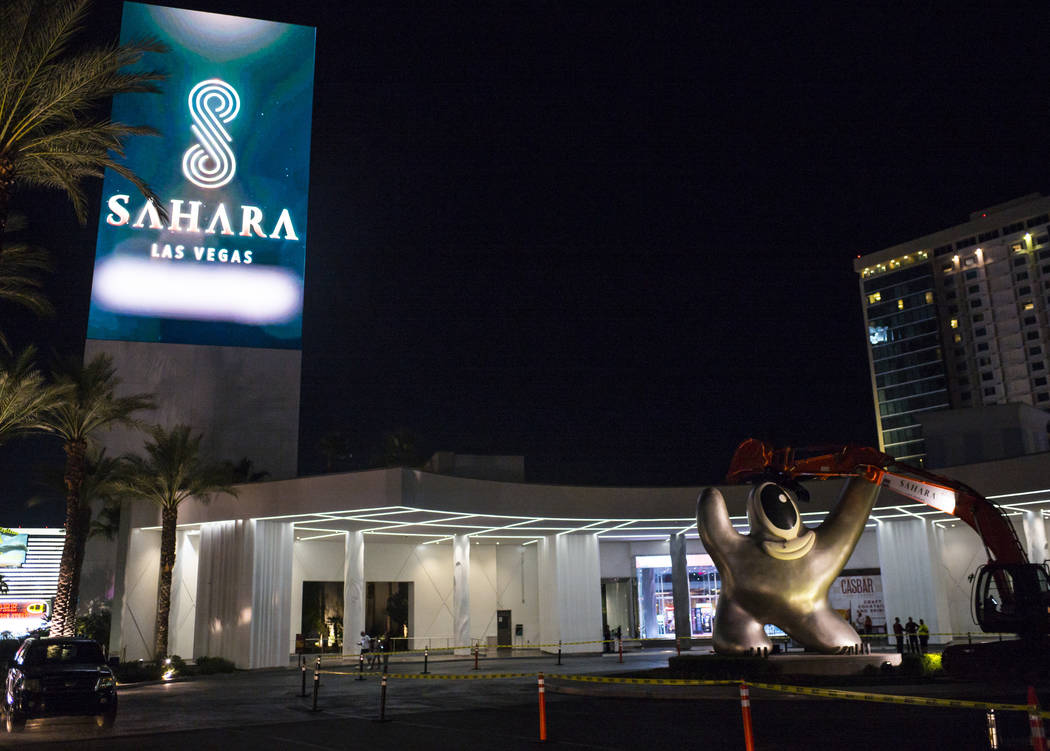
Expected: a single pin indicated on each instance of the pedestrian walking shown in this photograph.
(924, 635)
(911, 628)
(366, 648)
(898, 631)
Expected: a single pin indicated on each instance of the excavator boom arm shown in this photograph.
(754, 460)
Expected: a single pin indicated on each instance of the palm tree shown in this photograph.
(91, 404)
(25, 395)
(244, 471)
(172, 471)
(334, 445)
(51, 89)
(20, 282)
(401, 449)
(21, 268)
(103, 487)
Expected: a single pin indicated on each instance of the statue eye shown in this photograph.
(778, 507)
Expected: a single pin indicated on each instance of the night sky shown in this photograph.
(614, 238)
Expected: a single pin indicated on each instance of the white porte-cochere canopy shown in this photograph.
(470, 548)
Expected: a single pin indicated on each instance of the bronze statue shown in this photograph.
(780, 572)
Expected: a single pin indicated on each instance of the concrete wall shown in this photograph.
(139, 614)
(244, 400)
(183, 595)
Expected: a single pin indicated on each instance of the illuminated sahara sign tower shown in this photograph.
(223, 262)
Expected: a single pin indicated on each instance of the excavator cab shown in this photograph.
(1013, 598)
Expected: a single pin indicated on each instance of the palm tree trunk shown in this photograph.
(7, 187)
(169, 520)
(64, 611)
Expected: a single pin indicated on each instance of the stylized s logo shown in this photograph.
(209, 163)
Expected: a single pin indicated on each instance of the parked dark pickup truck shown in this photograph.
(61, 676)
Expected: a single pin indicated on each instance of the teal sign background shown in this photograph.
(181, 283)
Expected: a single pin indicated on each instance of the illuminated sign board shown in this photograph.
(223, 260)
(19, 617)
(23, 608)
(937, 496)
(13, 550)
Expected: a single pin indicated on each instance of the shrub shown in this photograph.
(208, 665)
(178, 665)
(133, 672)
(931, 665)
(911, 665)
(94, 624)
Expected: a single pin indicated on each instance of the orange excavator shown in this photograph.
(1011, 594)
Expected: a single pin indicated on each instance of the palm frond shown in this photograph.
(45, 33)
(92, 403)
(173, 470)
(25, 395)
(21, 266)
(51, 93)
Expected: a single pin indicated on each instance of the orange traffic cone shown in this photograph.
(1035, 722)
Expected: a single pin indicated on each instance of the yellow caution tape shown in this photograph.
(641, 681)
(828, 693)
(372, 674)
(921, 701)
(466, 677)
(433, 676)
(433, 650)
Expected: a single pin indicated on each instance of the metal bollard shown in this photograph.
(559, 651)
(477, 650)
(361, 667)
(543, 710)
(317, 684)
(621, 649)
(993, 734)
(382, 699)
(426, 656)
(302, 665)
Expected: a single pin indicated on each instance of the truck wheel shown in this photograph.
(14, 722)
(106, 720)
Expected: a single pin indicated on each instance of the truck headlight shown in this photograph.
(105, 683)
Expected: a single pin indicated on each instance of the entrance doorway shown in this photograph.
(387, 612)
(620, 606)
(503, 632)
(322, 615)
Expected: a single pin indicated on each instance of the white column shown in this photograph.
(680, 590)
(353, 593)
(244, 589)
(570, 592)
(181, 617)
(461, 592)
(224, 599)
(1035, 534)
(271, 587)
(912, 581)
(139, 599)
